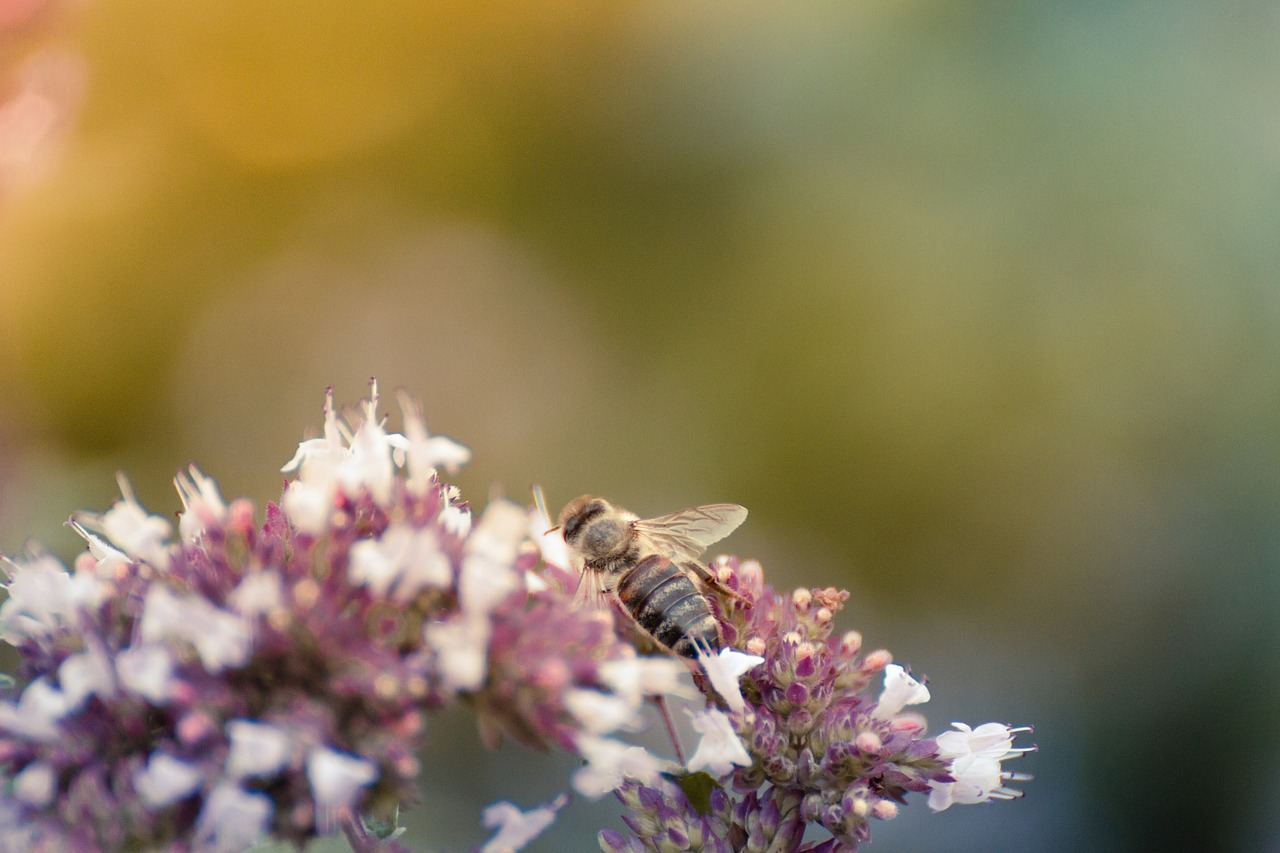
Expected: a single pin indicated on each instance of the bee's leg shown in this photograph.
(661, 702)
(704, 574)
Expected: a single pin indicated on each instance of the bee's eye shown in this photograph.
(574, 523)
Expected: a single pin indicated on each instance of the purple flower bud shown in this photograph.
(611, 841)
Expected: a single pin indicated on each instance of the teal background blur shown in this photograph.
(975, 306)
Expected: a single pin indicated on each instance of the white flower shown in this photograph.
(420, 452)
(487, 576)
(989, 740)
(403, 559)
(638, 677)
(899, 691)
(720, 750)
(146, 670)
(517, 828)
(220, 638)
(258, 594)
(600, 713)
(455, 519)
(308, 500)
(108, 559)
(166, 780)
(363, 460)
(128, 527)
(257, 749)
(44, 599)
(975, 756)
(724, 670)
(609, 761)
(309, 504)
(316, 458)
(337, 782)
(36, 785)
(231, 820)
(378, 563)
(36, 713)
(202, 503)
(84, 674)
(369, 465)
(462, 645)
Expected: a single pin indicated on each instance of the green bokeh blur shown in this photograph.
(975, 306)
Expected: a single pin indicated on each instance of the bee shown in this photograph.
(651, 564)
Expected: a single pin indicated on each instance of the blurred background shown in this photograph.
(975, 306)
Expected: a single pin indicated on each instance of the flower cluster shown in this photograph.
(245, 681)
(250, 679)
(824, 747)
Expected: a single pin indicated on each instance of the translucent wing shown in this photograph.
(683, 536)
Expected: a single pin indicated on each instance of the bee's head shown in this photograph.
(579, 512)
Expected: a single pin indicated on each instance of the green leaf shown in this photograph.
(697, 787)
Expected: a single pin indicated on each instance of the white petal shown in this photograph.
(220, 637)
(609, 761)
(43, 599)
(231, 820)
(36, 713)
(166, 780)
(337, 782)
(128, 526)
(550, 542)
(36, 785)
(202, 503)
(724, 670)
(638, 677)
(257, 749)
(463, 649)
(426, 566)
(720, 750)
(423, 453)
(309, 505)
(259, 594)
(369, 465)
(487, 576)
(85, 674)
(378, 563)
(146, 670)
(517, 828)
(318, 457)
(940, 795)
(600, 713)
(900, 690)
(224, 641)
(455, 519)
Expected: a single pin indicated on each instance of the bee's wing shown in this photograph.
(684, 535)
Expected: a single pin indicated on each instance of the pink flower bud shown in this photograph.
(868, 742)
(884, 810)
(876, 661)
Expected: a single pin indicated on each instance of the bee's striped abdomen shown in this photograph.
(667, 604)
